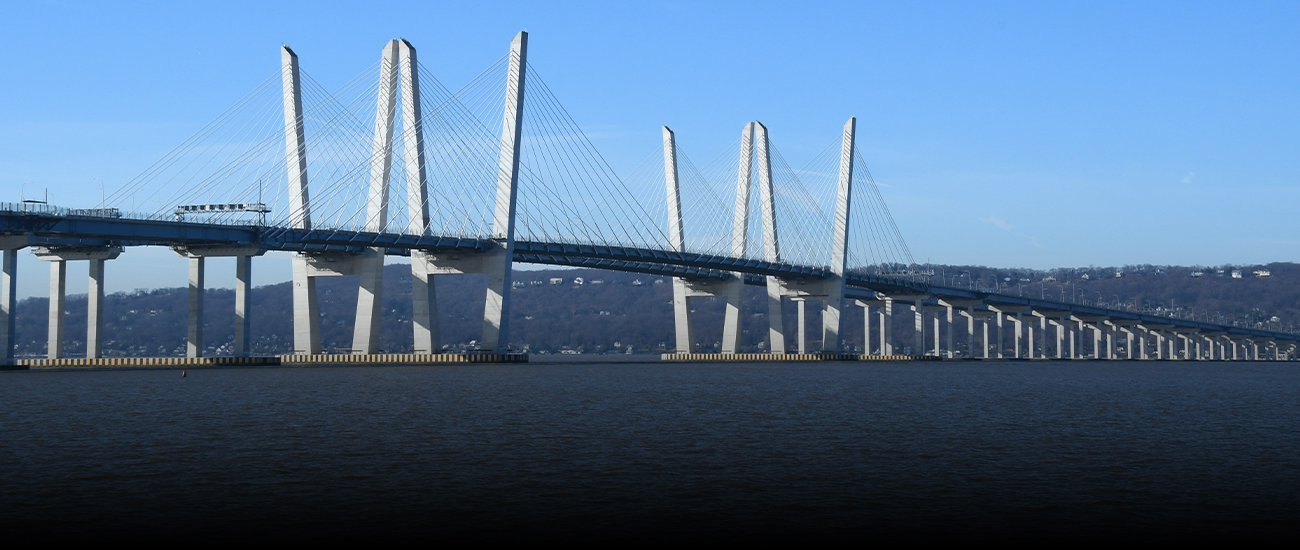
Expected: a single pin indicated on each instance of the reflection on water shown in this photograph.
(656, 450)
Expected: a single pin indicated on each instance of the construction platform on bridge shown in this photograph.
(402, 358)
(749, 357)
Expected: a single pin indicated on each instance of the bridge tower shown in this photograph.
(685, 288)
(829, 290)
(370, 264)
(306, 316)
(496, 262)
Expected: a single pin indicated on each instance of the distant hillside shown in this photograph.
(611, 312)
(1206, 293)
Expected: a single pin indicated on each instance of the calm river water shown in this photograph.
(648, 450)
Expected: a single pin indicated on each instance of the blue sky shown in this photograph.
(1028, 134)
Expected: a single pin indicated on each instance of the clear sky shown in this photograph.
(1018, 134)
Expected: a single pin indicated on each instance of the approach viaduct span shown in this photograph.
(96, 235)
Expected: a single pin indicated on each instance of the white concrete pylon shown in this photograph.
(984, 324)
(1042, 336)
(682, 327)
(58, 293)
(950, 331)
(866, 330)
(8, 303)
(424, 302)
(676, 231)
(295, 141)
(194, 336)
(887, 328)
(832, 316)
(970, 332)
(95, 310)
(306, 321)
(1029, 336)
(771, 244)
(1060, 339)
(1018, 331)
(496, 311)
(936, 335)
(734, 291)
(243, 303)
(365, 331)
(998, 345)
(918, 336)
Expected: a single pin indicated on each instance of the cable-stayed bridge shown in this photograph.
(473, 180)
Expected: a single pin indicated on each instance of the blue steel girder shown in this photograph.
(620, 265)
(685, 259)
(125, 229)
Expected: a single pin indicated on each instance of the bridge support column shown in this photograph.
(1018, 330)
(1029, 337)
(918, 335)
(8, 303)
(984, 324)
(365, 331)
(950, 331)
(424, 306)
(306, 314)
(58, 258)
(1043, 337)
(775, 317)
(58, 289)
(243, 321)
(866, 330)
(936, 335)
(194, 338)
(1060, 339)
(970, 332)
(1001, 343)
(802, 340)
(1075, 333)
(685, 333)
(733, 291)
(1096, 340)
(95, 310)
(887, 328)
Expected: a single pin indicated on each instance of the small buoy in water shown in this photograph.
(182, 374)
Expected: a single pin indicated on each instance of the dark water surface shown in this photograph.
(637, 451)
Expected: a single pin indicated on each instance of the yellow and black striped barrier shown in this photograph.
(150, 362)
(401, 358)
(746, 357)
